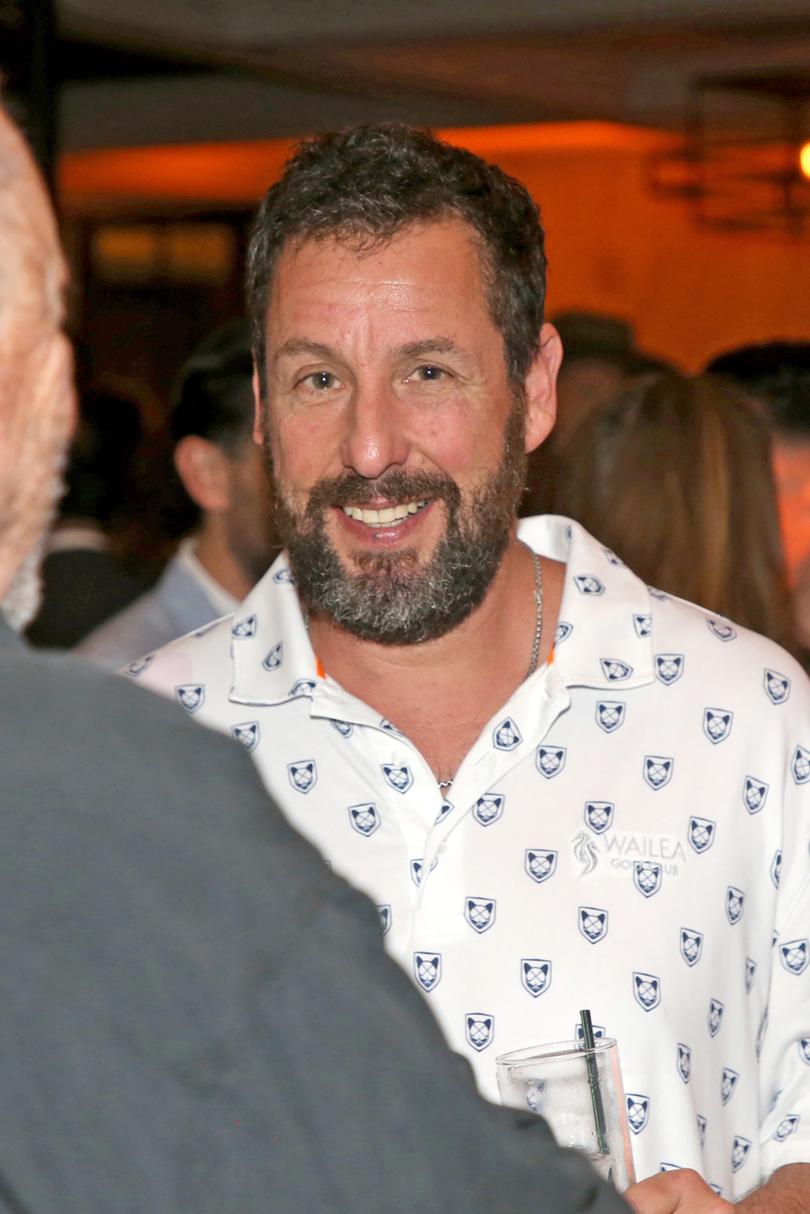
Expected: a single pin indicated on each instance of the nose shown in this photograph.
(375, 437)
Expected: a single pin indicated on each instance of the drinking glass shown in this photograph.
(578, 1089)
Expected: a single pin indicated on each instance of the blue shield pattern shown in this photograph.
(506, 736)
(390, 727)
(191, 696)
(344, 728)
(684, 1064)
(598, 1031)
(489, 808)
(610, 714)
(795, 955)
(646, 990)
(274, 658)
(480, 913)
(139, 666)
(716, 1009)
(777, 686)
(599, 815)
(669, 1167)
(417, 869)
(364, 818)
(800, 765)
(540, 864)
(755, 794)
(638, 1111)
(550, 760)
(787, 1126)
(669, 667)
(804, 1049)
(479, 1029)
(776, 867)
(535, 975)
(658, 594)
(384, 912)
(701, 833)
(721, 629)
(614, 670)
(244, 628)
(728, 1084)
(593, 923)
(302, 687)
(303, 775)
(247, 733)
(739, 1152)
(642, 625)
(447, 807)
(717, 724)
(399, 778)
(735, 903)
(701, 1128)
(427, 968)
(586, 583)
(691, 945)
(750, 971)
(647, 877)
(563, 632)
(611, 557)
(282, 576)
(658, 770)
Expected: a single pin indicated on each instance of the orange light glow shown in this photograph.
(804, 159)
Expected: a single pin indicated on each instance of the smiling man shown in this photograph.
(561, 788)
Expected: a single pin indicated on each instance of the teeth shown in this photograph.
(385, 517)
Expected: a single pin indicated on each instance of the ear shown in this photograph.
(203, 468)
(259, 419)
(541, 388)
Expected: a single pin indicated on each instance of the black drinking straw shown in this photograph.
(593, 1082)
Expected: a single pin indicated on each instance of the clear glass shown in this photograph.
(579, 1092)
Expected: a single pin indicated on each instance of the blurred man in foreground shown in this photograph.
(195, 1015)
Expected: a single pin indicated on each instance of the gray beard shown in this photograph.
(391, 599)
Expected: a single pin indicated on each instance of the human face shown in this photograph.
(395, 439)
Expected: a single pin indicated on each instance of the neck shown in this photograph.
(214, 554)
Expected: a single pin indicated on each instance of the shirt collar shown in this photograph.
(223, 602)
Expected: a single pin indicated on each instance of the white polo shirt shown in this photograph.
(629, 833)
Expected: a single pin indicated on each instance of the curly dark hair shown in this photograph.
(365, 183)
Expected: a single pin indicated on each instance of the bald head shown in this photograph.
(36, 392)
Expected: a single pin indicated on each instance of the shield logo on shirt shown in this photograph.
(384, 912)
(804, 1049)
(701, 833)
(586, 583)
(399, 778)
(647, 990)
(716, 1009)
(614, 670)
(669, 667)
(540, 865)
(728, 1084)
(800, 765)
(739, 1152)
(191, 696)
(550, 760)
(611, 557)
(610, 714)
(563, 632)
(427, 968)
(658, 770)
(776, 868)
(787, 1126)
(593, 923)
(717, 724)
(302, 687)
(139, 666)
(795, 955)
(598, 1031)
(735, 903)
(658, 594)
(344, 728)
(479, 1029)
(684, 1062)
(303, 775)
(506, 736)
(535, 974)
(701, 1128)
(417, 871)
(283, 576)
(642, 625)
(755, 794)
(274, 657)
(247, 733)
(480, 913)
(721, 629)
(777, 686)
(390, 727)
(447, 807)
(244, 628)
(647, 877)
(691, 946)
(364, 818)
(599, 815)
(488, 808)
(750, 971)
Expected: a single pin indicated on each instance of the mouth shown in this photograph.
(388, 516)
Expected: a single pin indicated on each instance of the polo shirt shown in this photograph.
(629, 834)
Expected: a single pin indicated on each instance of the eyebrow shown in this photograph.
(301, 345)
(412, 349)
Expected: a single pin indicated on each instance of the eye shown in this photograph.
(428, 373)
(319, 381)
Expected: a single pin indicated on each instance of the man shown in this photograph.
(223, 478)
(195, 1015)
(561, 789)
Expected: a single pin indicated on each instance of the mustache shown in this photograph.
(351, 489)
